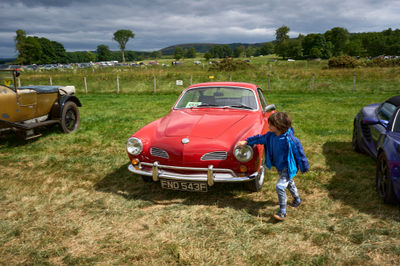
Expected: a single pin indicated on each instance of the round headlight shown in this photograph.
(134, 146)
(243, 153)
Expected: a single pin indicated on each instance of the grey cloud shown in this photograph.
(84, 24)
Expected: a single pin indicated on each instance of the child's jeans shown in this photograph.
(283, 183)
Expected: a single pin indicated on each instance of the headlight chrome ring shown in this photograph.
(134, 146)
(243, 153)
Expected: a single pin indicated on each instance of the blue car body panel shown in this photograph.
(391, 147)
(375, 135)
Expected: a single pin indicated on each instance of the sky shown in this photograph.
(82, 25)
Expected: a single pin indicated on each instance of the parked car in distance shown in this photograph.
(377, 132)
(194, 145)
(24, 109)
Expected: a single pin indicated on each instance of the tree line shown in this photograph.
(334, 42)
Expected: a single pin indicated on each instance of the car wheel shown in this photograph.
(354, 140)
(384, 180)
(256, 184)
(147, 179)
(70, 117)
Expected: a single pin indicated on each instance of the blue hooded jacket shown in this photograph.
(283, 151)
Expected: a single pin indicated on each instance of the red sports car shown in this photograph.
(194, 145)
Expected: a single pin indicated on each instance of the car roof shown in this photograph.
(225, 84)
(395, 100)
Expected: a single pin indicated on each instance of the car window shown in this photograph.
(262, 98)
(396, 122)
(386, 111)
(218, 97)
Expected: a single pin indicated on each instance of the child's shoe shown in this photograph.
(295, 203)
(280, 216)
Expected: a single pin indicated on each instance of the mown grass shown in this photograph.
(69, 199)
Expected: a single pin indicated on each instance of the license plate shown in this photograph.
(184, 185)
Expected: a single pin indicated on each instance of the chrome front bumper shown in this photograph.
(209, 175)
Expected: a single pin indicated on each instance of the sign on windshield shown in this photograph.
(7, 78)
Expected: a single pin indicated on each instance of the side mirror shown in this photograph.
(270, 107)
(370, 121)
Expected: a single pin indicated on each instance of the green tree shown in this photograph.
(353, 48)
(311, 41)
(20, 39)
(155, 54)
(32, 50)
(61, 54)
(267, 48)
(250, 51)
(282, 41)
(282, 49)
(122, 37)
(315, 52)
(90, 57)
(294, 48)
(339, 37)
(190, 53)
(207, 56)
(238, 51)
(48, 52)
(281, 34)
(130, 55)
(226, 51)
(178, 54)
(103, 53)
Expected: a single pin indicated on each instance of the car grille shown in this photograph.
(215, 155)
(366, 131)
(159, 152)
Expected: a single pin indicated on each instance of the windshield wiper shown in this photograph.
(206, 104)
(240, 106)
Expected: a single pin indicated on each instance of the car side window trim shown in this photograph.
(262, 99)
(396, 122)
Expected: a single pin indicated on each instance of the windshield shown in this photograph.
(7, 79)
(218, 97)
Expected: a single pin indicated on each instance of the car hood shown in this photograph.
(202, 123)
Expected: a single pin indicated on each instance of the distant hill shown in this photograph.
(7, 60)
(204, 47)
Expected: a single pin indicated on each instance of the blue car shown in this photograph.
(377, 132)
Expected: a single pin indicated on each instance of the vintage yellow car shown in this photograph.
(25, 109)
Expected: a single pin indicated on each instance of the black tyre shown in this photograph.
(256, 184)
(147, 179)
(384, 184)
(354, 140)
(70, 117)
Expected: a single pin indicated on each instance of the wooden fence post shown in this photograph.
(230, 77)
(117, 84)
(354, 81)
(312, 81)
(85, 84)
(51, 81)
(269, 81)
(191, 79)
(154, 84)
(19, 82)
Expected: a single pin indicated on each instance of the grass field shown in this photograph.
(69, 199)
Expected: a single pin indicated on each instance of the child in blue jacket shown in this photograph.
(284, 151)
